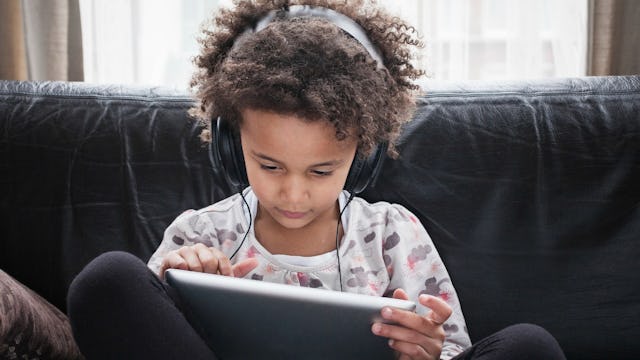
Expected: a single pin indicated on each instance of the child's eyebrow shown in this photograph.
(325, 163)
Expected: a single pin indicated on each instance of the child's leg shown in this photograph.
(521, 341)
(119, 309)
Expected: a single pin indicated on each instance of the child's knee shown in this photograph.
(533, 339)
(106, 276)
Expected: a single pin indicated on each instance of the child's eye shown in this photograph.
(268, 167)
(321, 173)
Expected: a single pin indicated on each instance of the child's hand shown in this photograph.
(205, 259)
(414, 336)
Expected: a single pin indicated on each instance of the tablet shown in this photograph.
(251, 319)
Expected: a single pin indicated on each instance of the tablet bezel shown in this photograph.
(243, 318)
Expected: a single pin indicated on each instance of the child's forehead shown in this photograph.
(269, 117)
(289, 127)
(251, 117)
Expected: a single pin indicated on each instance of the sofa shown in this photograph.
(529, 189)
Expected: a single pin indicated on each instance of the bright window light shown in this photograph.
(152, 42)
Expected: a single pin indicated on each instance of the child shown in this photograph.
(300, 103)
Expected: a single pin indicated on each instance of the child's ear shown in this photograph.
(226, 155)
(364, 171)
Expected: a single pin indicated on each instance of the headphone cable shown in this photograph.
(248, 229)
(338, 240)
(244, 200)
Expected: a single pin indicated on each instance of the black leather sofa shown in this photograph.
(531, 191)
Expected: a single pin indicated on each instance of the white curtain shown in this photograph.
(153, 41)
(499, 39)
(146, 42)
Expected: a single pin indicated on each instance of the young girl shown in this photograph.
(300, 104)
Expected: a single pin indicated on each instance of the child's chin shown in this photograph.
(293, 224)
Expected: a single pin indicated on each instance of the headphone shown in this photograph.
(226, 149)
(226, 154)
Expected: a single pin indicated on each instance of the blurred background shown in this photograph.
(152, 42)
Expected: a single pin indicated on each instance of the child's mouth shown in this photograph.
(292, 214)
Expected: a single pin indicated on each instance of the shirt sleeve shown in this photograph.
(219, 225)
(179, 233)
(415, 266)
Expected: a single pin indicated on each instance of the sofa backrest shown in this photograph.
(88, 169)
(529, 190)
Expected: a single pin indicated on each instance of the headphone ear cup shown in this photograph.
(364, 172)
(227, 156)
(354, 174)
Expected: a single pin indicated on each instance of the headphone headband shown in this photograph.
(342, 21)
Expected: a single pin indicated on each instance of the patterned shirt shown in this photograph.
(384, 247)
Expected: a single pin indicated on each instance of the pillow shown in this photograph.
(31, 327)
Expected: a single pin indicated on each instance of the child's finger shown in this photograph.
(408, 341)
(224, 264)
(440, 310)
(172, 261)
(400, 294)
(409, 350)
(242, 268)
(189, 255)
(207, 258)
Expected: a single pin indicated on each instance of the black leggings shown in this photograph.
(119, 309)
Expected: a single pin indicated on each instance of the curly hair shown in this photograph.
(310, 68)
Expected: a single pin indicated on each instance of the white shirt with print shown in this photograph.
(384, 247)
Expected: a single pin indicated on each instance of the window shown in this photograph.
(499, 39)
(146, 42)
(152, 42)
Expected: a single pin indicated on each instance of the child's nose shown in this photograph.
(294, 190)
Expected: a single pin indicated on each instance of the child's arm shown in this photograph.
(414, 266)
(189, 244)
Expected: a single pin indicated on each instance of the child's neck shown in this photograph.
(315, 238)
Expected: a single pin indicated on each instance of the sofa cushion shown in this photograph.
(30, 327)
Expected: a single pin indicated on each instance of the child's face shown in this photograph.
(296, 168)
